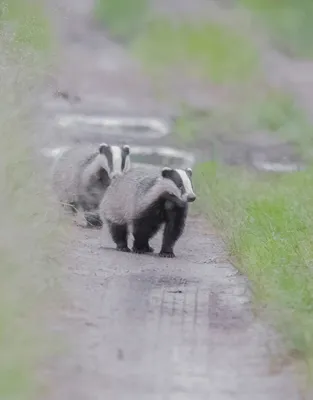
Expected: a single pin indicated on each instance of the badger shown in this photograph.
(144, 201)
(81, 175)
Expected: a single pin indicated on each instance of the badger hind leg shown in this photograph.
(93, 219)
(119, 233)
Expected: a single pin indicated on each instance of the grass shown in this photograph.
(267, 223)
(278, 113)
(289, 22)
(212, 50)
(272, 111)
(30, 229)
(209, 49)
(121, 17)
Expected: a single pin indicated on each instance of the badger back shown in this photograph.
(119, 200)
(67, 169)
(131, 194)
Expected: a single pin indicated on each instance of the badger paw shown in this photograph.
(142, 250)
(124, 249)
(93, 220)
(166, 254)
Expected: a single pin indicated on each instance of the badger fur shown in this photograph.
(144, 201)
(81, 175)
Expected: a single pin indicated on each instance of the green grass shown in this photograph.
(211, 50)
(122, 18)
(273, 111)
(267, 223)
(289, 22)
(278, 113)
(30, 231)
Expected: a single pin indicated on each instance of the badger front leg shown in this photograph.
(143, 231)
(174, 227)
(144, 228)
(119, 235)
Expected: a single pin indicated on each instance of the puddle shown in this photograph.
(168, 156)
(162, 156)
(277, 167)
(53, 153)
(126, 126)
(150, 156)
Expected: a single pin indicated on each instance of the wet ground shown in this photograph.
(141, 327)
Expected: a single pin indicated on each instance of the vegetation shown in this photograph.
(273, 111)
(268, 226)
(29, 226)
(288, 21)
(210, 50)
(122, 18)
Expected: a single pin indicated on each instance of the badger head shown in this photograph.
(182, 180)
(115, 159)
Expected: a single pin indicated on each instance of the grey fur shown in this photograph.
(80, 177)
(131, 194)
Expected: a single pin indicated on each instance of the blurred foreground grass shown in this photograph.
(30, 230)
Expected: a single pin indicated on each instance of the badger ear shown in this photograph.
(166, 172)
(103, 147)
(126, 149)
(189, 172)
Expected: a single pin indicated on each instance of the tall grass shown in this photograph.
(30, 229)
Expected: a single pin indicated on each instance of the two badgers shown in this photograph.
(82, 174)
(145, 201)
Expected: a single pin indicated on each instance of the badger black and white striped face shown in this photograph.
(182, 179)
(115, 160)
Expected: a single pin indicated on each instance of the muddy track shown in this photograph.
(142, 327)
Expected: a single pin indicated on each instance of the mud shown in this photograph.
(142, 327)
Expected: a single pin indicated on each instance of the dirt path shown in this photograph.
(141, 327)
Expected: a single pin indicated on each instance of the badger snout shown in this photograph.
(191, 198)
(116, 174)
